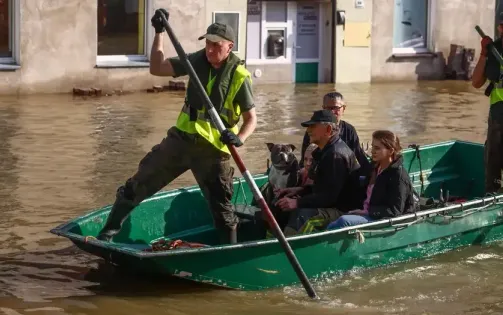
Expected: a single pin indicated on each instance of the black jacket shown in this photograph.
(332, 181)
(393, 194)
(348, 134)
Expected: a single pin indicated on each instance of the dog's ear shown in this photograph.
(270, 145)
(292, 147)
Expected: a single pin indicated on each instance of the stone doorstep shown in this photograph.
(93, 91)
(96, 92)
(172, 86)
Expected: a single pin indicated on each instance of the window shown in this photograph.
(269, 32)
(411, 26)
(9, 33)
(122, 31)
(275, 15)
(232, 19)
(275, 43)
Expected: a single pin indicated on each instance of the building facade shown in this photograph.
(298, 41)
(419, 39)
(348, 41)
(55, 46)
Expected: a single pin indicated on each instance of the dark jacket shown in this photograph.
(348, 134)
(332, 183)
(393, 194)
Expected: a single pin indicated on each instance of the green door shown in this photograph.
(306, 72)
(307, 41)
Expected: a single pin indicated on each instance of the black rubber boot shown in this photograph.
(228, 236)
(120, 211)
(233, 236)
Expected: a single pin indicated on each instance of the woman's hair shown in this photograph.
(391, 142)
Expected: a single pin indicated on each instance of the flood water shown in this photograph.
(62, 156)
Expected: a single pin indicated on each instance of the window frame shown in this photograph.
(265, 26)
(429, 33)
(121, 61)
(264, 43)
(14, 15)
(237, 32)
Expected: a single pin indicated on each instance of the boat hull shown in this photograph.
(257, 264)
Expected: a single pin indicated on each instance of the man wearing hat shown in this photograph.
(331, 193)
(488, 68)
(194, 142)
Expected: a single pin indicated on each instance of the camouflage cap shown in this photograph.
(217, 32)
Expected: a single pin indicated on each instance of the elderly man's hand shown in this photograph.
(287, 204)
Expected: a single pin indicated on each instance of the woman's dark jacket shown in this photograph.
(393, 194)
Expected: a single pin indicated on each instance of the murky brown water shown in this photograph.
(60, 157)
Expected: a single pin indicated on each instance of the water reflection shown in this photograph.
(9, 116)
(116, 127)
(53, 147)
(62, 157)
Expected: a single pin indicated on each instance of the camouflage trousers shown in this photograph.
(173, 156)
(493, 155)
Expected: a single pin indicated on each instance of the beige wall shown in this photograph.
(352, 63)
(235, 6)
(326, 38)
(58, 45)
(272, 73)
(452, 22)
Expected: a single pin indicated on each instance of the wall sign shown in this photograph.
(254, 7)
(307, 20)
(308, 31)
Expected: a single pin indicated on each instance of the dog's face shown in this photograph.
(282, 156)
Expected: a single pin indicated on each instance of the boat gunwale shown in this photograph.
(63, 229)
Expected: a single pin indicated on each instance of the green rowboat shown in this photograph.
(465, 218)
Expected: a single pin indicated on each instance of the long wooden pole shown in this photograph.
(493, 49)
(239, 162)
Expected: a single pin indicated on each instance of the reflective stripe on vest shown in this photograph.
(497, 92)
(229, 113)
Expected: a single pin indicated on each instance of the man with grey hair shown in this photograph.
(331, 194)
(335, 102)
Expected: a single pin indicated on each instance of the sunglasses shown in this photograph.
(334, 107)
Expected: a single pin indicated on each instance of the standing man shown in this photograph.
(195, 143)
(488, 68)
